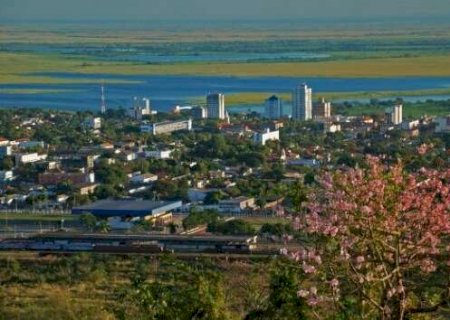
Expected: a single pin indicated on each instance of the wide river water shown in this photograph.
(166, 92)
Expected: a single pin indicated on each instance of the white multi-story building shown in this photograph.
(262, 137)
(274, 107)
(394, 115)
(302, 103)
(166, 127)
(215, 104)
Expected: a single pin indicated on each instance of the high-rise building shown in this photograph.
(322, 109)
(199, 112)
(102, 99)
(215, 104)
(302, 103)
(273, 107)
(141, 107)
(394, 114)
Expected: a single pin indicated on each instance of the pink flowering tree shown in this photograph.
(377, 243)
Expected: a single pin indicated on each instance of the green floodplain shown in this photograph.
(364, 51)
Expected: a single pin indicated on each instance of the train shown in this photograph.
(131, 243)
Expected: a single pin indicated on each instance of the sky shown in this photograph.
(76, 10)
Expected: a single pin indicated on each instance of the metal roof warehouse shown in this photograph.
(132, 208)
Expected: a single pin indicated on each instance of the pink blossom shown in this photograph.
(427, 266)
(303, 293)
(312, 301)
(308, 268)
(334, 283)
(391, 292)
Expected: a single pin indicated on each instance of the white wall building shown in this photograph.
(29, 157)
(262, 137)
(410, 125)
(166, 127)
(215, 104)
(93, 123)
(144, 178)
(158, 154)
(302, 103)
(394, 114)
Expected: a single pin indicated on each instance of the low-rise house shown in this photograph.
(87, 189)
(55, 177)
(26, 144)
(5, 151)
(158, 154)
(92, 123)
(4, 141)
(236, 205)
(144, 178)
(128, 156)
(442, 124)
(303, 162)
(6, 175)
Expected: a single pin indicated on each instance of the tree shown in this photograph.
(103, 226)
(378, 241)
(183, 292)
(7, 163)
(213, 197)
(196, 218)
(232, 227)
(88, 220)
(283, 302)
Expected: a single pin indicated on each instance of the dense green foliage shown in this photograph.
(232, 227)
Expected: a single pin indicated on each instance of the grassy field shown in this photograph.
(21, 68)
(85, 286)
(35, 91)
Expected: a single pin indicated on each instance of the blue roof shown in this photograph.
(135, 208)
